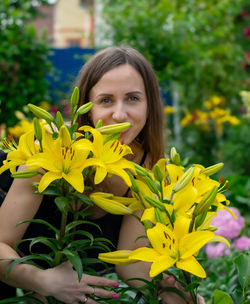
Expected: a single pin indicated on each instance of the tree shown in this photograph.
(23, 58)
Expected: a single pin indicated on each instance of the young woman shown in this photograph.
(123, 88)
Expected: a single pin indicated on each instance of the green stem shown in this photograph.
(192, 292)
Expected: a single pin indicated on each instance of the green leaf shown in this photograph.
(220, 297)
(243, 266)
(61, 203)
(75, 261)
(53, 244)
(24, 299)
(38, 221)
(28, 258)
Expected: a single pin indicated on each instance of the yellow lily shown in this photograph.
(171, 247)
(19, 156)
(62, 158)
(108, 203)
(110, 156)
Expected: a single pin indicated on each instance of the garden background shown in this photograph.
(200, 51)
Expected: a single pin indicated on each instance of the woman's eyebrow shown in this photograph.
(135, 92)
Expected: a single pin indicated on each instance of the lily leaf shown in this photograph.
(221, 297)
(243, 266)
(61, 203)
(75, 261)
(23, 299)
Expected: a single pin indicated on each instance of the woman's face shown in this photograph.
(119, 96)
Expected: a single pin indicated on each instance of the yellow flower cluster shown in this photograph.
(177, 208)
(56, 151)
(214, 115)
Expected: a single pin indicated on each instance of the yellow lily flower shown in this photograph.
(171, 247)
(119, 257)
(110, 156)
(62, 159)
(108, 203)
(26, 148)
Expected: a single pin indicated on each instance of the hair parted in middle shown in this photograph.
(151, 137)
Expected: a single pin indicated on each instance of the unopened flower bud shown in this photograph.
(155, 202)
(152, 186)
(98, 124)
(25, 173)
(212, 169)
(110, 205)
(206, 201)
(41, 113)
(134, 187)
(75, 97)
(84, 108)
(59, 120)
(175, 157)
(140, 170)
(65, 136)
(184, 180)
(157, 173)
(110, 129)
(159, 217)
(37, 129)
(120, 257)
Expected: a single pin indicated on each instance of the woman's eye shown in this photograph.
(133, 98)
(105, 100)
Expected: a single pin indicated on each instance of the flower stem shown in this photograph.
(192, 292)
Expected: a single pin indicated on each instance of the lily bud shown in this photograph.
(110, 205)
(212, 169)
(175, 157)
(25, 173)
(159, 217)
(140, 170)
(41, 113)
(38, 129)
(184, 180)
(75, 97)
(134, 187)
(152, 186)
(120, 257)
(65, 136)
(59, 120)
(98, 124)
(84, 108)
(206, 201)
(157, 173)
(155, 202)
(110, 129)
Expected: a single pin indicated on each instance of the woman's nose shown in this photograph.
(119, 113)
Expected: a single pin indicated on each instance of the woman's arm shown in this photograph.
(61, 282)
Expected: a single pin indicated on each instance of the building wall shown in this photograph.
(73, 24)
(70, 23)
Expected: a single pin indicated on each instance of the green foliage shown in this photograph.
(192, 43)
(23, 59)
(228, 274)
(235, 148)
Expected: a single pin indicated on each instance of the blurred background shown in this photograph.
(200, 50)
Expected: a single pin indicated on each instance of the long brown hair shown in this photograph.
(151, 137)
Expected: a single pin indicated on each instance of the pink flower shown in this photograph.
(54, 109)
(247, 31)
(218, 250)
(244, 14)
(242, 243)
(227, 225)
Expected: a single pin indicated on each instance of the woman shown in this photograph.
(123, 88)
